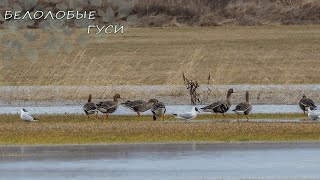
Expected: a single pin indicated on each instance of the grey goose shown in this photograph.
(158, 109)
(221, 106)
(139, 106)
(305, 102)
(244, 107)
(90, 107)
(108, 107)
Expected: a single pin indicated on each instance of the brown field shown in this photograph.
(127, 129)
(231, 54)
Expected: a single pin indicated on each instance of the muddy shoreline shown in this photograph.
(171, 95)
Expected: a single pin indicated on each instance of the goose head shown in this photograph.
(116, 97)
(230, 91)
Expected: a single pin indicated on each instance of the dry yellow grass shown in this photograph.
(233, 55)
(123, 129)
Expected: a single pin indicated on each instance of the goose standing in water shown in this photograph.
(139, 106)
(305, 102)
(158, 109)
(108, 107)
(26, 116)
(244, 107)
(221, 106)
(90, 107)
(187, 115)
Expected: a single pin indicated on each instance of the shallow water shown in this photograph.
(163, 161)
(258, 109)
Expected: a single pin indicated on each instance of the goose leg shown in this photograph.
(223, 115)
(238, 117)
(247, 118)
(162, 117)
(215, 116)
(107, 116)
(138, 113)
(97, 115)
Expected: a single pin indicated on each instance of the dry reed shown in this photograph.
(269, 54)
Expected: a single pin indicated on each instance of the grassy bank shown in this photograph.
(67, 129)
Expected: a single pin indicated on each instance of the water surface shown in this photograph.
(163, 161)
(257, 109)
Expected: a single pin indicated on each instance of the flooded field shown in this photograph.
(162, 161)
(266, 99)
(257, 109)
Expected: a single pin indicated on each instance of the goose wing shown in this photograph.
(242, 106)
(213, 105)
(158, 108)
(106, 105)
(158, 105)
(89, 106)
(132, 104)
(307, 102)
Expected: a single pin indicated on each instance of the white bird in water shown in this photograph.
(26, 116)
(313, 113)
(188, 115)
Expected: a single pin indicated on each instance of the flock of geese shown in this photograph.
(158, 109)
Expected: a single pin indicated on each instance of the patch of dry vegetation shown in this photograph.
(66, 129)
(232, 55)
(240, 12)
